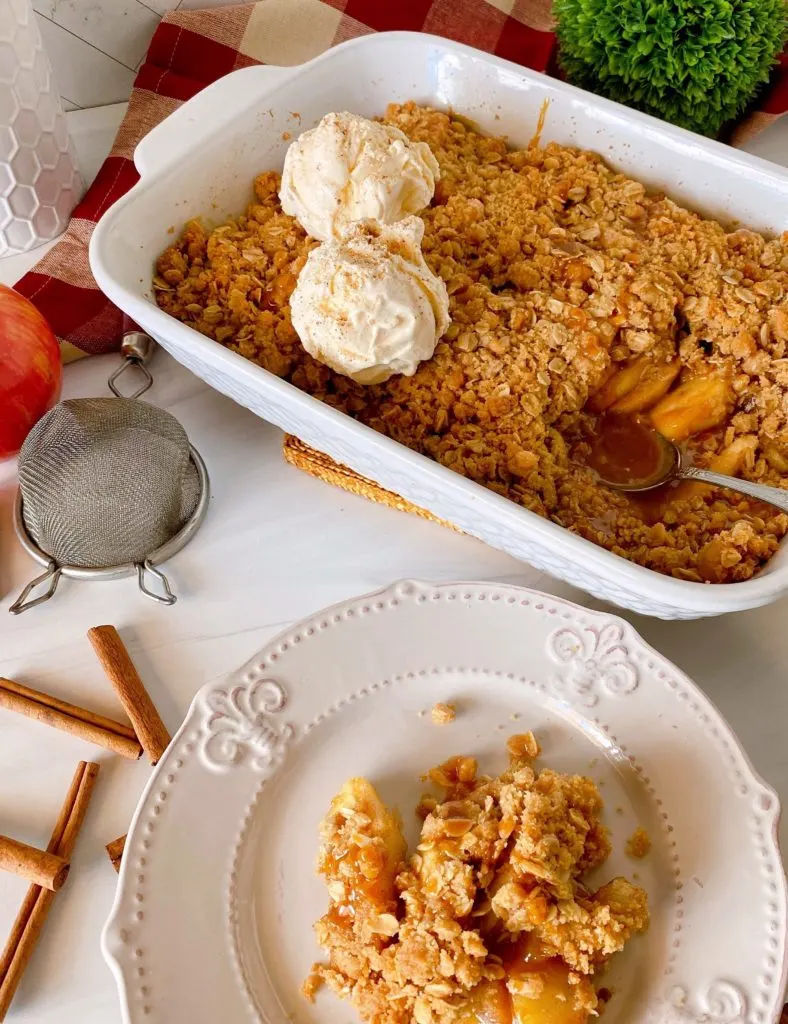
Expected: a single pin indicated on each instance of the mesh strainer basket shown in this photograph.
(108, 487)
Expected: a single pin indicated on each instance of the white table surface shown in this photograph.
(276, 546)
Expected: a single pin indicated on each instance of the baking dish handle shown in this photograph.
(199, 117)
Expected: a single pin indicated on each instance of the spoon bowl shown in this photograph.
(664, 462)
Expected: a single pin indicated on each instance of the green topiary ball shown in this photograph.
(697, 63)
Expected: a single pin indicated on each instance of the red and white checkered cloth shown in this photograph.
(191, 49)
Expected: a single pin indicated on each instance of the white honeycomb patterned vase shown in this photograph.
(39, 180)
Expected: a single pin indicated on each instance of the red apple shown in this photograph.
(30, 369)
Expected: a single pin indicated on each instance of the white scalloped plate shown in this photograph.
(217, 893)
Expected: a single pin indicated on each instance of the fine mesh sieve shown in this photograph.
(108, 487)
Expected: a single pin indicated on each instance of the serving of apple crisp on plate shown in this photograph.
(490, 920)
(571, 295)
(519, 813)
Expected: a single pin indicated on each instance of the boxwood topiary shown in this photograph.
(697, 63)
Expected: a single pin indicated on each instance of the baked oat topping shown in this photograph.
(443, 714)
(572, 291)
(489, 919)
(639, 844)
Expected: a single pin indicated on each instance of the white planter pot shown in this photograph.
(39, 180)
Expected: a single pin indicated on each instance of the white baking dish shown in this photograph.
(202, 159)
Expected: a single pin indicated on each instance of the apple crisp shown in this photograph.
(639, 844)
(443, 713)
(574, 293)
(489, 921)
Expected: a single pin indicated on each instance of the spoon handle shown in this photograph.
(771, 495)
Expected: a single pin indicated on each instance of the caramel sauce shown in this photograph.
(368, 881)
(651, 505)
(341, 914)
(520, 956)
(274, 296)
(626, 451)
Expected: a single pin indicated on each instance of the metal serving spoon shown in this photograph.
(670, 465)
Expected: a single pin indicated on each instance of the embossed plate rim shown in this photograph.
(716, 1001)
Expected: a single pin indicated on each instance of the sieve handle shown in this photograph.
(52, 573)
(137, 348)
(137, 345)
(145, 569)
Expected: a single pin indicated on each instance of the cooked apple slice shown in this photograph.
(730, 460)
(618, 385)
(539, 985)
(552, 998)
(698, 404)
(776, 457)
(653, 385)
(363, 849)
(488, 1003)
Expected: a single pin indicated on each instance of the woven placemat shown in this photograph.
(325, 468)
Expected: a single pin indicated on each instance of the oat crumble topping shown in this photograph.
(639, 844)
(560, 273)
(442, 713)
(489, 919)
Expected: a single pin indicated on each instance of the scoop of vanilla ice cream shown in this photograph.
(367, 305)
(349, 169)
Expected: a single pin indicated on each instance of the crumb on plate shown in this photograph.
(443, 713)
(426, 806)
(522, 747)
(639, 843)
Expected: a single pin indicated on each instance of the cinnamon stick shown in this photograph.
(31, 896)
(40, 866)
(41, 707)
(29, 922)
(120, 670)
(115, 851)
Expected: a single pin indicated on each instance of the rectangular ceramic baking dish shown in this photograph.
(202, 159)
